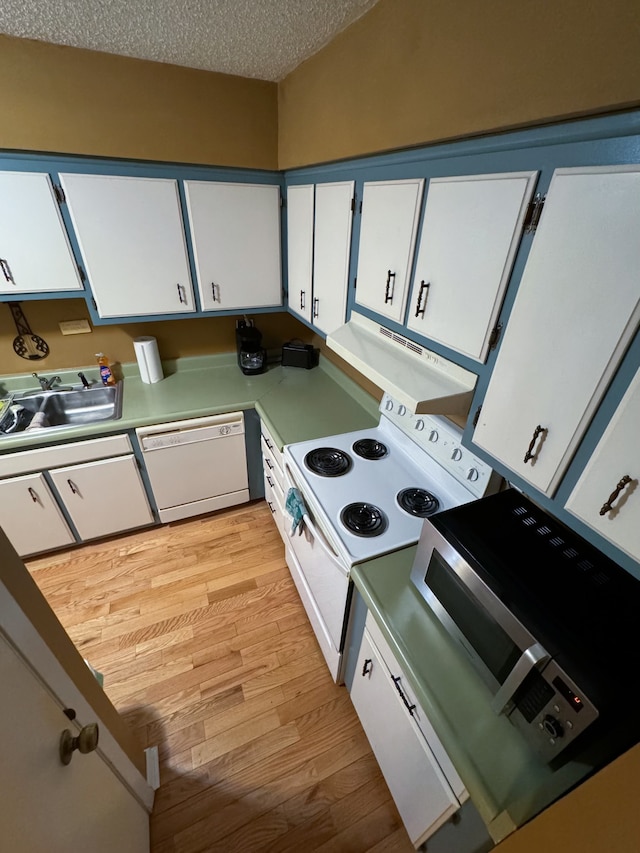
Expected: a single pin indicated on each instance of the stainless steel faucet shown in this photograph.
(46, 384)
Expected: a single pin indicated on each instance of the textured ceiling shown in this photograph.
(264, 39)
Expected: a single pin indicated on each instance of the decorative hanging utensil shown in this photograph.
(26, 344)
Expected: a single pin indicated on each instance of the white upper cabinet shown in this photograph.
(575, 312)
(606, 497)
(235, 232)
(35, 255)
(332, 247)
(131, 236)
(390, 214)
(300, 204)
(470, 235)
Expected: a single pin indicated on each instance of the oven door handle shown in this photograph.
(535, 657)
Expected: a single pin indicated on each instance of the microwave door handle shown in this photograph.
(536, 656)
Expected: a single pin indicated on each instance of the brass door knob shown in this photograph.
(86, 741)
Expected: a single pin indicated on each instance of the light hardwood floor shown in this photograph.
(207, 652)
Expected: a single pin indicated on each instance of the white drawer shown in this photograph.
(275, 500)
(272, 463)
(269, 440)
(57, 455)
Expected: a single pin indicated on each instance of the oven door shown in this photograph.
(322, 581)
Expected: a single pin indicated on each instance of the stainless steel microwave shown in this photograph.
(538, 611)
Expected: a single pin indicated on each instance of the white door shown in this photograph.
(332, 246)
(390, 212)
(576, 309)
(300, 203)
(35, 255)
(606, 497)
(103, 497)
(469, 237)
(30, 516)
(235, 232)
(418, 786)
(132, 240)
(47, 806)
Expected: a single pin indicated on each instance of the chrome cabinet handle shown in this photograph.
(316, 300)
(6, 271)
(73, 487)
(410, 708)
(607, 506)
(530, 454)
(302, 299)
(367, 666)
(182, 293)
(424, 288)
(388, 294)
(33, 494)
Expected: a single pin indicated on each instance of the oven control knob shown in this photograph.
(419, 425)
(473, 474)
(433, 435)
(402, 410)
(389, 405)
(456, 455)
(552, 726)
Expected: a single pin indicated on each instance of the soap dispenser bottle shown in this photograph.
(106, 374)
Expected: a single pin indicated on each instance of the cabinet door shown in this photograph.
(235, 232)
(35, 255)
(332, 245)
(103, 497)
(390, 212)
(300, 201)
(418, 786)
(470, 234)
(614, 467)
(30, 516)
(132, 240)
(574, 314)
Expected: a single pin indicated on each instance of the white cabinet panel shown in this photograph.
(576, 309)
(300, 204)
(469, 238)
(615, 462)
(30, 516)
(419, 787)
(390, 212)
(235, 231)
(132, 240)
(35, 255)
(332, 246)
(103, 497)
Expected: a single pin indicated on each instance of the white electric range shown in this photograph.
(365, 494)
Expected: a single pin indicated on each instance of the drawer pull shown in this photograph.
(367, 667)
(270, 481)
(268, 443)
(424, 288)
(608, 505)
(271, 507)
(73, 487)
(410, 708)
(537, 431)
(33, 494)
(388, 291)
(269, 463)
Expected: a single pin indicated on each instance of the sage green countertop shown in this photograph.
(507, 782)
(295, 404)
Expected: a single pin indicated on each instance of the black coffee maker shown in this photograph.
(252, 357)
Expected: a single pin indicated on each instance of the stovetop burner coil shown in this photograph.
(364, 519)
(328, 461)
(370, 448)
(418, 502)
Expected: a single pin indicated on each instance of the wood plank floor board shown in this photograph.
(207, 652)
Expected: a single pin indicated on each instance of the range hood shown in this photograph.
(426, 383)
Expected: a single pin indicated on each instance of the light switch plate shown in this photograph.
(74, 327)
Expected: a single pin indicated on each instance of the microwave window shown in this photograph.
(492, 644)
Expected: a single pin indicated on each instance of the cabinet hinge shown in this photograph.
(534, 211)
(495, 336)
(476, 417)
(353, 205)
(355, 282)
(59, 194)
(283, 203)
(82, 275)
(95, 305)
(360, 207)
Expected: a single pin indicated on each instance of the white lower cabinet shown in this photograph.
(103, 497)
(30, 516)
(397, 729)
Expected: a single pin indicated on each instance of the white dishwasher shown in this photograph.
(197, 465)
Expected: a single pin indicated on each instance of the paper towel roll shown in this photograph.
(146, 350)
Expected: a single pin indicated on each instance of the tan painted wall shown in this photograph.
(176, 338)
(415, 71)
(67, 100)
